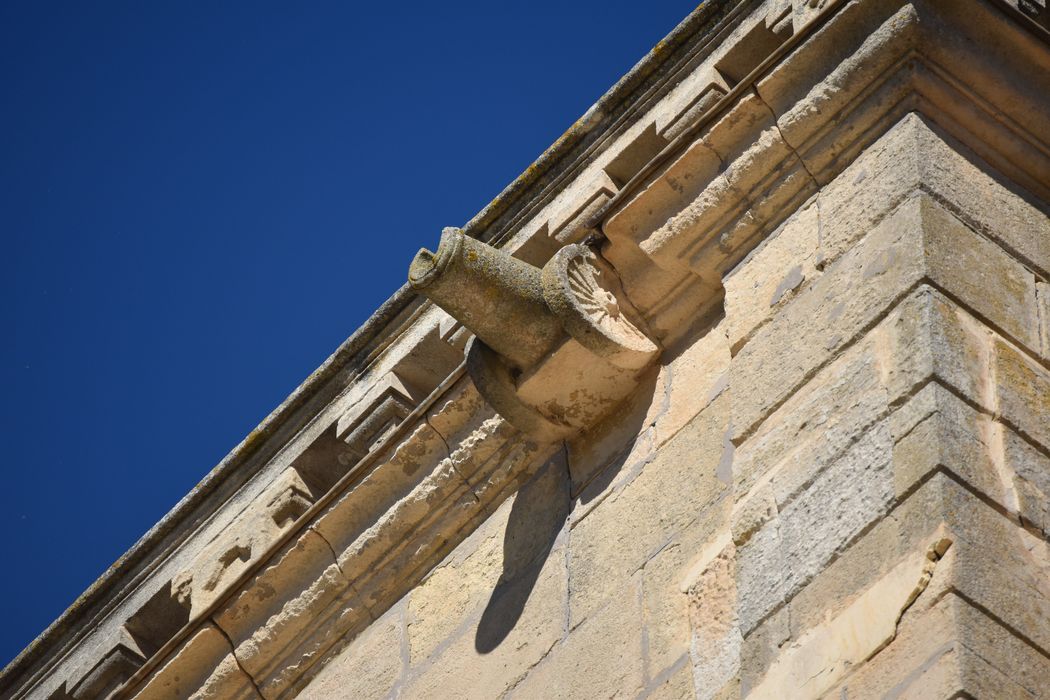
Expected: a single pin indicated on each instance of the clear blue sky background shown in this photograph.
(198, 203)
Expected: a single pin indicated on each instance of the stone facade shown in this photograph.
(787, 434)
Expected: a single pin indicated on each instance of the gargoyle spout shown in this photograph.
(498, 297)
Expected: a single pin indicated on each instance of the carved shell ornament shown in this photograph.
(585, 293)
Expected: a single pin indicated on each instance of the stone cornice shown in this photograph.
(337, 545)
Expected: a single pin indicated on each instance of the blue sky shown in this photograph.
(198, 204)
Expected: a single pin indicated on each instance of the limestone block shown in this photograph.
(1043, 296)
(677, 686)
(666, 578)
(1023, 392)
(936, 429)
(943, 652)
(619, 535)
(912, 155)
(818, 422)
(601, 657)
(517, 537)
(368, 668)
(811, 529)
(959, 345)
(772, 274)
(968, 266)
(715, 642)
(523, 618)
(866, 561)
(850, 295)
(697, 376)
(851, 494)
(293, 610)
(812, 664)
(390, 480)
(919, 240)
(203, 667)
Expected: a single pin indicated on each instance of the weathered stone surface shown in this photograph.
(933, 656)
(368, 668)
(1024, 393)
(293, 611)
(812, 664)
(213, 570)
(715, 643)
(697, 376)
(522, 619)
(624, 530)
(601, 657)
(409, 464)
(919, 240)
(666, 578)
(203, 667)
(772, 274)
(812, 528)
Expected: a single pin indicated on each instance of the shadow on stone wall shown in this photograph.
(541, 509)
(537, 515)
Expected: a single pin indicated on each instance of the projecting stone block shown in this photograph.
(277, 636)
(203, 667)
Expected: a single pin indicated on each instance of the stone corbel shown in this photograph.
(554, 349)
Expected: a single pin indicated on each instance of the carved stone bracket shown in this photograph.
(555, 349)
